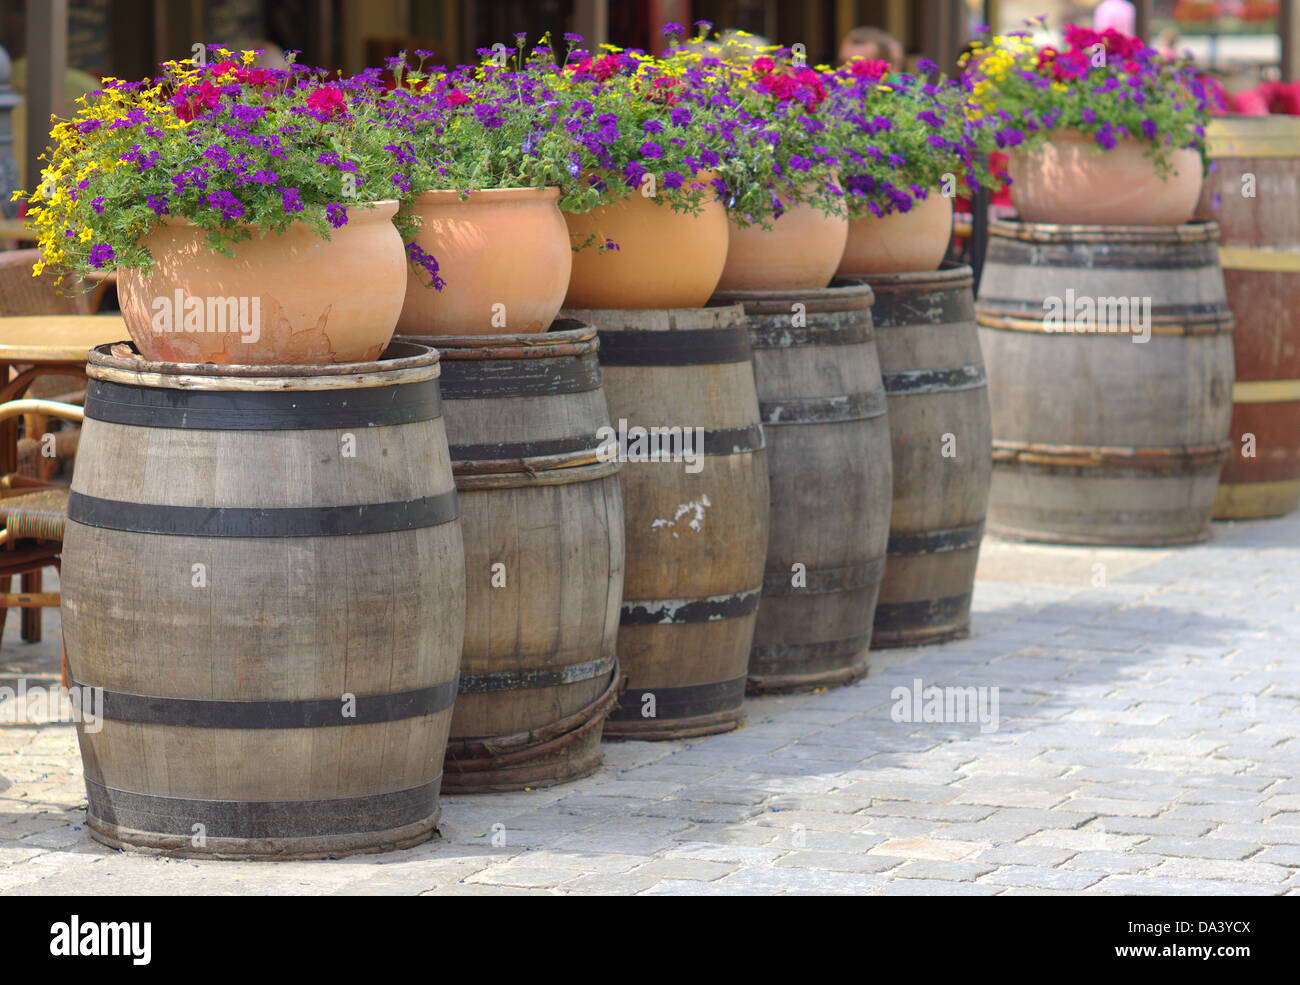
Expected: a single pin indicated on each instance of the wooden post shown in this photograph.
(591, 20)
(8, 166)
(47, 64)
(1289, 28)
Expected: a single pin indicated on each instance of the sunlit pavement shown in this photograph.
(1135, 732)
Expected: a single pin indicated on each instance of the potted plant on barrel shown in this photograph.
(483, 149)
(784, 199)
(246, 210)
(907, 146)
(641, 189)
(1103, 132)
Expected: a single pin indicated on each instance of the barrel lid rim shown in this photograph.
(1047, 232)
(625, 319)
(581, 331)
(409, 362)
(839, 289)
(948, 274)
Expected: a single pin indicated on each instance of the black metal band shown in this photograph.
(822, 581)
(823, 410)
(688, 701)
(262, 818)
(911, 381)
(364, 709)
(936, 541)
(779, 333)
(689, 347)
(511, 450)
(1117, 255)
(733, 441)
(541, 677)
(805, 657)
(658, 612)
(305, 521)
(895, 309)
(269, 410)
(474, 379)
(893, 617)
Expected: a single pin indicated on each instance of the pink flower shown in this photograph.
(863, 68)
(192, 101)
(326, 103)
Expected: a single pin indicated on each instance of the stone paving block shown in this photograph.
(1288, 855)
(837, 861)
(686, 887)
(819, 880)
(695, 869)
(734, 834)
(1112, 862)
(698, 811)
(1145, 885)
(1090, 838)
(743, 854)
(1039, 877)
(1115, 806)
(934, 887)
(810, 820)
(1200, 847)
(1219, 870)
(936, 849)
(1025, 855)
(942, 870)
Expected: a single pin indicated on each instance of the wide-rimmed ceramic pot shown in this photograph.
(800, 251)
(900, 242)
(283, 298)
(641, 253)
(504, 255)
(1071, 181)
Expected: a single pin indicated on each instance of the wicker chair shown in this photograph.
(34, 514)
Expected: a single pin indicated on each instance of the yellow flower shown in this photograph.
(85, 234)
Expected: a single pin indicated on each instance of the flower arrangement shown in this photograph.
(230, 148)
(1107, 86)
(903, 136)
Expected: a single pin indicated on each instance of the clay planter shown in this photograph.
(799, 253)
(1070, 181)
(901, 242)
(504, 253)
(665, 259)
(283, 298)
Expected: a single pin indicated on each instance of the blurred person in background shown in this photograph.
(872, 44)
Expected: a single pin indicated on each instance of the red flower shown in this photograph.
(192, 101)
(327, 103)
(863, 68)
(780, 86)
(457, 98)
(764, 65)
(256, 76)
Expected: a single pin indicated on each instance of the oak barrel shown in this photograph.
(696, 512)
(830, 470)
(542, 518)
(1252, 196)
(263, 572)
(939, 428)
(1100, 437)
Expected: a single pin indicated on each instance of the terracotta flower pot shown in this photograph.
(800, 252)
(283, 298)
(504, 253)
(664, 259)
(1068, 181)
(900, 242)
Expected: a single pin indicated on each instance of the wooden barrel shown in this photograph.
(263, 572)
(1251, 195)
(939, 429)
(1099, 438)
(696, 509)
(829, 466)
(542, 517)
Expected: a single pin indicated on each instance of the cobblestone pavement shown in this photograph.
(1148, 704)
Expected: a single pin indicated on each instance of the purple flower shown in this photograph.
(88, 126)
(651, 150)
(423, 259)
(679, 116)
(98, 205)
(337, 215)
(226, 204)
(101, 256)
(291, 200)
(672, 30)
(158, 203)
(1149, 128)
(652, 126)
(673, 179)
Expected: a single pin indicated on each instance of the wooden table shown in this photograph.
(43, 345)
(31, 347)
